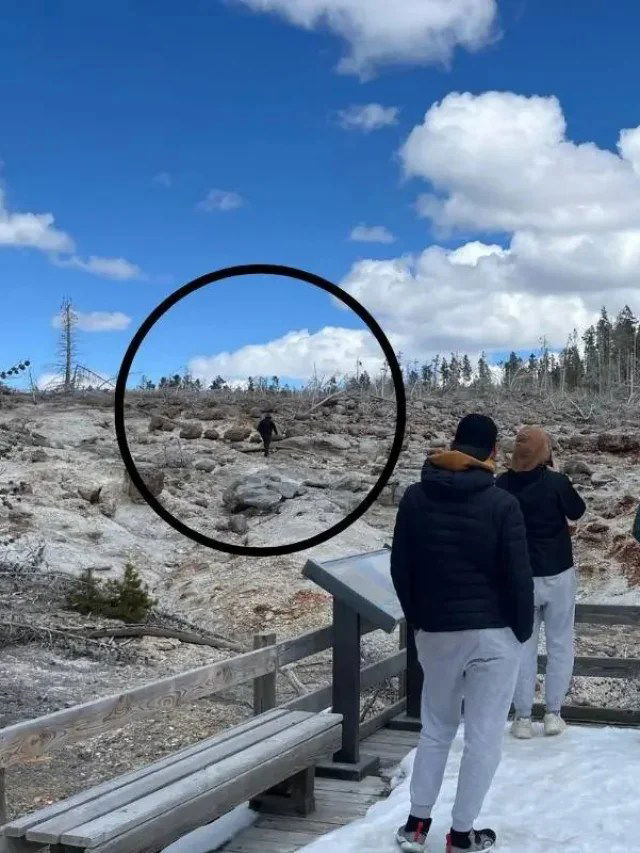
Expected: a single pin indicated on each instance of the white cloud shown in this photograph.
(98, 321)
(37, 231)
(501, 162)
(368, 117)
(296, 355)
(221, 200)
(32, 230)
(381, 32)
(118, 269)
(163, 179)
(372, 234)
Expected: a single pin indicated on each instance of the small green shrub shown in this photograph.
(127, 599)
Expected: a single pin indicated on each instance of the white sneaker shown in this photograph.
(522, 728)
(553, 724)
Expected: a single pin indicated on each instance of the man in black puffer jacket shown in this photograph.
(460, 567)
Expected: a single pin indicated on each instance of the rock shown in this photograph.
(288, 489)
(579, 471)
(316, 483)
(153, 479)
(38, 456)
(331, 443)
(255, 438)
(237, 433)
(581, 443)
(191, 431)
(159, 422)
(90, 493)
(211, 434)
(206, 465)
(351, 483)
(108, 500)
(238, 524)
(39, 440)
(609, 442)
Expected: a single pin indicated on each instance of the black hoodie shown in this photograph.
(459, 557)
(547, 499)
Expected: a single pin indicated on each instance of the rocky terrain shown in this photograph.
(66, 505)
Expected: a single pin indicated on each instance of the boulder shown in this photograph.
(153, 479)
(610, 442)
(211, 434)
(39, 456)
(581, 443)
(206, 465)
(263, 492)
(90, 493)
(351, 483)
(578, 470)
(191, 430)
(238, 524)
(159, 422)
(237, 433)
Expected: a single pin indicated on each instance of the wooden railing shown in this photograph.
(31, 739)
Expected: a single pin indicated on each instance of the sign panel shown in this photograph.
(363, 582)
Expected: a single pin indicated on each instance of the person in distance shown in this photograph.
(267, 430)
(460, 568)
(547, 499)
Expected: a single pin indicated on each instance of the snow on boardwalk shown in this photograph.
(577, 793)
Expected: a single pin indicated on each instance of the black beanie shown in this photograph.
(476, 433)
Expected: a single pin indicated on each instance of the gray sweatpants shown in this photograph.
(480, 667)
(555, 605)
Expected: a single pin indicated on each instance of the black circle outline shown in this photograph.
(323, 284)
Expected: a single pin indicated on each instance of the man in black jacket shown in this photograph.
(267, 429)
(461, 571)
(547, 499)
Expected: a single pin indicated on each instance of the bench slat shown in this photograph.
(169, 826)
(223, 748)
(239, 774)
(18, 827)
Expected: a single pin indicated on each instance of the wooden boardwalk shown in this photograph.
(337, 803)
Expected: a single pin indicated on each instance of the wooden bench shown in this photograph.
(268, 760)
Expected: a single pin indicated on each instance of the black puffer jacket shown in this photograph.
(459, 556)
(547, 499)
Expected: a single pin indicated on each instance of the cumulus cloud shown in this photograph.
(296, 355)
(97, 321)
(372, 234)
(221, 200)
(118, 269)
(502, 163)
(368, 117)
(38, 231)
(32, 230)
(380, 32)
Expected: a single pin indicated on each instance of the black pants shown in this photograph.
(266, 441)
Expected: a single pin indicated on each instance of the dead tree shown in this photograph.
(68, 321)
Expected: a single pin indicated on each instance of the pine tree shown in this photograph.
(467, 371)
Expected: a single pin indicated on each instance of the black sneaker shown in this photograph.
(412, 837)
(477, 839)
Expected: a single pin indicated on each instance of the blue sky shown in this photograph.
(120, 123)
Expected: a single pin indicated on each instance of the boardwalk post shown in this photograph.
(264, 686)
(348, 763)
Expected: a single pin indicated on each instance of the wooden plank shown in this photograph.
(600, 667)
(33, 738)
(19, 845)
(273, 839)
(208, 779)
(370, 676)
(305, 645)
(596, 716)
(219, 749)
(346, 679)
(264, 687)
(169, 825)
(607, 614)
(20, 825)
